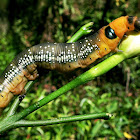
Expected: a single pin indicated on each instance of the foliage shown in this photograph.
(115, 92)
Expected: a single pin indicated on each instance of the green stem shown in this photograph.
(11, 121)
(63, 120)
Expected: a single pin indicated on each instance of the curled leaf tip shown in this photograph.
(87, 27)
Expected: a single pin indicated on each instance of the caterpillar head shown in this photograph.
(125, 24)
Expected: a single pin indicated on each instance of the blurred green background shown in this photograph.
(24, 23)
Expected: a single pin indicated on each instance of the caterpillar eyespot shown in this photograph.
(109, 32)
(62, 56)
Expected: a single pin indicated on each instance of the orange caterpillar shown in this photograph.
(62, 56)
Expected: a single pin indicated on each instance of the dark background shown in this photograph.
(24, 23)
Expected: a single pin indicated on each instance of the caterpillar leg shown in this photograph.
(31, 72)
(20, 87)
(5, 98)
(30, 76)
(16, 86)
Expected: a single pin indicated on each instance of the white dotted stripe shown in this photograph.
(47, 53)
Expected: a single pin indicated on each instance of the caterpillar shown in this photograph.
(62, 56)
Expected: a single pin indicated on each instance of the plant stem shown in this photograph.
(63, 120)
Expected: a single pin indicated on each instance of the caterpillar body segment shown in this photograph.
(62, 56)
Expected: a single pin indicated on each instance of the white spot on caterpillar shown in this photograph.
(1, 88)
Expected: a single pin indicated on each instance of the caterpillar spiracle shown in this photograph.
(62, 56)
